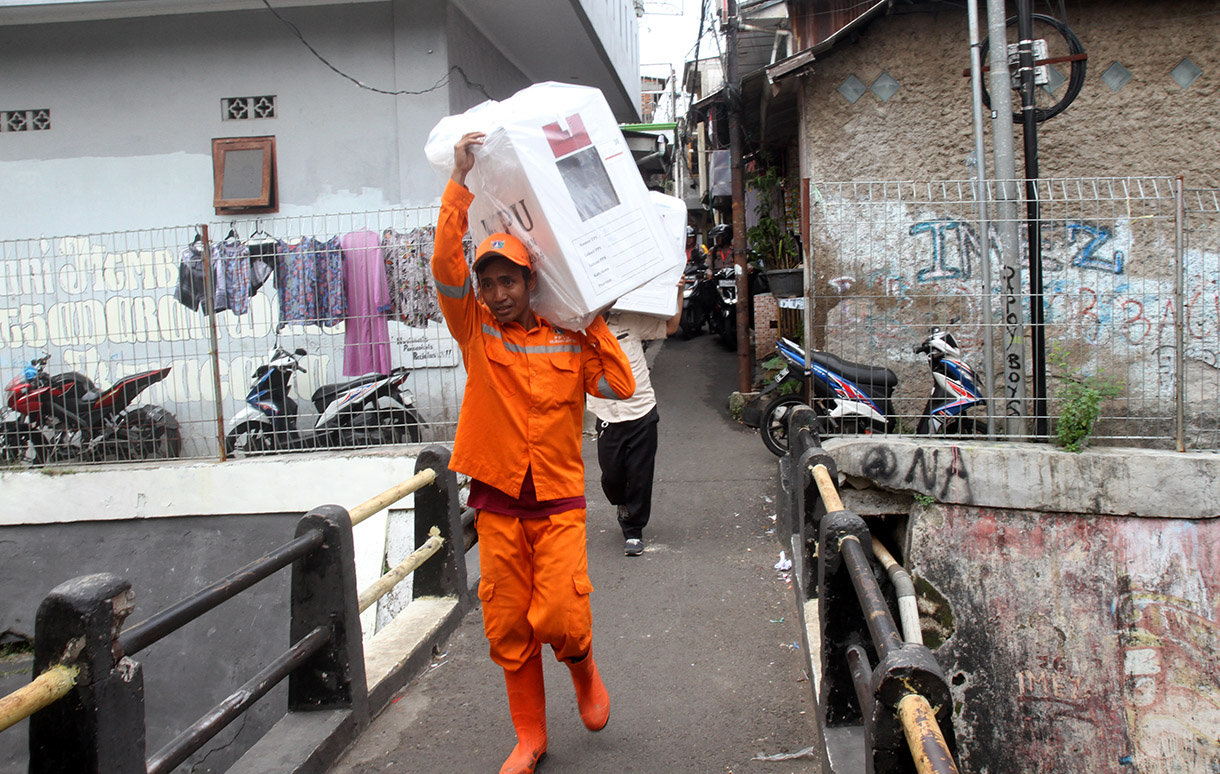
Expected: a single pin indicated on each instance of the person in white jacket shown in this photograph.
(627, 429)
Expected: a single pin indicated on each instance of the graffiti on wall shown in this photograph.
(1108, 289)
(937, 471)
(1083, 639)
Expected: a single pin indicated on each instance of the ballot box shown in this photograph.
(555, 172)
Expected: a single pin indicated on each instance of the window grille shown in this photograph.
(246, 108)
(25, 120)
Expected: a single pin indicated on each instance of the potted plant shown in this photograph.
(776, 248)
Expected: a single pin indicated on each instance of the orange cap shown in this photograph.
(505, 245)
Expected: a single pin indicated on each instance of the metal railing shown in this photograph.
(86, 706)
(1129, 296)
(207, 304)
(871, 672)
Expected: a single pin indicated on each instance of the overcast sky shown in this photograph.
(668, 31)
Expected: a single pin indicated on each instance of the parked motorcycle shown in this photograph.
(370, 410)
(66, 417)
(724, 304)
(852, 398)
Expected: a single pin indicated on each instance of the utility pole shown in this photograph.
(736, 151)
(1006, 215)
(980, 196)
(1033, 225)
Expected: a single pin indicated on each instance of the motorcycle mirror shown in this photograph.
(299, 352)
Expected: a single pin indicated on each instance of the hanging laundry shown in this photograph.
(231, 266)
(192, 283)
(366, 330)
(262, 258)
(309, 275)
(408, 257)
(296, 278)
(332, 301)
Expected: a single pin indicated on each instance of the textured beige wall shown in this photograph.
(891, 261)
(1150, 127)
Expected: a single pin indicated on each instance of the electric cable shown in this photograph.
(442, 82)
(1075, 80)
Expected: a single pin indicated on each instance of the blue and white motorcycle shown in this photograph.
(370, 410)
(853, 398)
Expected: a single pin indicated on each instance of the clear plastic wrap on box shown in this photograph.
(555, 172)
(659, 297)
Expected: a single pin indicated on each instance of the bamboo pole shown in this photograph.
(928, 747)
(391, 495)
(830, 493)
(382, 585)
(43, 691)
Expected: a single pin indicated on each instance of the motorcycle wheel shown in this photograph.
(407, 426)
(249, 439)
(774, 426)
(19, 445)
(688, 324)
(728, 334)
(958, 426)
(149, 433)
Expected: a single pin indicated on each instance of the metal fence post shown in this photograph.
(324, 594)
(437, 505)
(1179, 314)
(98, 728)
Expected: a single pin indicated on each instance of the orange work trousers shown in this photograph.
(534, 586)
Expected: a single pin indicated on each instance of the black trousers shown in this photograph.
(627, 453)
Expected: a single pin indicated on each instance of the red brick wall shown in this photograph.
(766, 326)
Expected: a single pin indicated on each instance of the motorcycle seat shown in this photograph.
(325, 395)
(868, 377)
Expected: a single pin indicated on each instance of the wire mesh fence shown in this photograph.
(255, 336)
(1129, 278)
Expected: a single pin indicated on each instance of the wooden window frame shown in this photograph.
(267, 200)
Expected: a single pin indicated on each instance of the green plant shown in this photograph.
(924, 499)
(774, 365)
(767, 239)
(1079, 398)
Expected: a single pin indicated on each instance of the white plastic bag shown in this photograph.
(555, 172)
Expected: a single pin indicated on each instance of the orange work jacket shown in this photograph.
(524, 401)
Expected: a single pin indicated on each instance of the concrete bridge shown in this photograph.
(1068, 601)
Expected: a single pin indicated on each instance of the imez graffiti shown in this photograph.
(951, 248)
(1094, 288)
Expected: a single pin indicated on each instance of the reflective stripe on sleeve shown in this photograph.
(606, 390)
(452, 291)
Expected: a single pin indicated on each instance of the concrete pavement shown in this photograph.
(697, 639)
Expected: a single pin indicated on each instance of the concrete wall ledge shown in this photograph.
(301, 743)
(400, 652)
(1106, 481)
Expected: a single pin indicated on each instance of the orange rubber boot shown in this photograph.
(527, 705)
(591, 694)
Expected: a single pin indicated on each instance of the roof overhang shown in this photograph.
(770, 110)
(513, 27)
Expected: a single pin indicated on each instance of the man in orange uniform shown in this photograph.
(518, 438)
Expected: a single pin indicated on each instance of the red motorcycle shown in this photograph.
(66, 417)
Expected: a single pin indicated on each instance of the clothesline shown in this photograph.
(362, 279)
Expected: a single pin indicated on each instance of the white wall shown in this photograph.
(135, 103)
